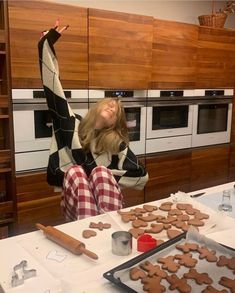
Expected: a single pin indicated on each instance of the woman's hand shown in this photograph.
(56, 27)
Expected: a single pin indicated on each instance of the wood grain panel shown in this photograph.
(120, 50)
(210, 166)
(232, 163)
(232, 139)
(216, 58)
(174, 55)
(33, 186)
(36, 202)
(45, 211)
(26, 20)
(168, 173)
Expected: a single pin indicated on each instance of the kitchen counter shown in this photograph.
(59, 271)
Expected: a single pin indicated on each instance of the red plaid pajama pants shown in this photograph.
(84, 196)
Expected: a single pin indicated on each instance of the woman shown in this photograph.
(89, 157)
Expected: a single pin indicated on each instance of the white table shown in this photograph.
(80, 274)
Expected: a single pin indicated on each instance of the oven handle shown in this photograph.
(42, 107)
(189, 102)
(133, 105)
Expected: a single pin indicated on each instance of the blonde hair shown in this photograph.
(106, 139)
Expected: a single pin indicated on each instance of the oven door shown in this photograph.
(168, 119)
(32, 133)
(211, 123)
(136, 124)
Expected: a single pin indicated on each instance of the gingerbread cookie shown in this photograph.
(226, 261)
(183, 217)
(139, 223)
(166, 206)
(228, 283)
(128, 218)
(205, 253)
(153, 285)
(184, 206)
(100, 226)
(171, 233)
(169, 264)
(191, 211)
(88, 233)
(196, 222)
(149, 218)
(168, 220)
(210, 289)
(200, 278)
(175, 212)
(149, 208)
(178, 283)
(153, 269)
(136, 232)
(186, 260)
(136, 273)
(155, 228)
(186, 247)
(201, 216)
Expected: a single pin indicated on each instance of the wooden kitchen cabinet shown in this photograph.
(210, 166)
(37, 202)
(27, 19)
(7, 165)
(168, 173)
(215, 58)
(120, 50)
(174, 55)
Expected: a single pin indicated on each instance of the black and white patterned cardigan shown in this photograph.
(66, 149)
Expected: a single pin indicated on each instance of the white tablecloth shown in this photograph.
(69, 273)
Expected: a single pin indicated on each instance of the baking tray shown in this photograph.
(110, 275)
(119, 277)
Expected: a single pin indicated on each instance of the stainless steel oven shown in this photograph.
(134, 103)
(169, 120)
(33, 128)
(212, 117)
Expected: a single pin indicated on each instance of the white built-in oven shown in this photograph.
(134, 103)
(33, 126)
(212, 117)
(169, 120)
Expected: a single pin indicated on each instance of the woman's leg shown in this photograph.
(77, 199)
(105, 189)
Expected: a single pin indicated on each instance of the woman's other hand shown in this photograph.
(56, 27)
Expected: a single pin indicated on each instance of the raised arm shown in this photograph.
(49, 69)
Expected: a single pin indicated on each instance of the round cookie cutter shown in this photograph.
(121, 243)
(146, 242)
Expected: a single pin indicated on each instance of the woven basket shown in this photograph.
(213, 20)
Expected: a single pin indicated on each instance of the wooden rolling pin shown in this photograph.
(66, 241)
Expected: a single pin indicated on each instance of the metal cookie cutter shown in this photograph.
(25, 274)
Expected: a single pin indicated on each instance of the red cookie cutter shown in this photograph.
(145, 242)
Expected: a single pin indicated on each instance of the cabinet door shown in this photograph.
(215, 58)
(210, 166)
(174, 54)
(37, 202)
(168, 173)
(27, 19)
(120, 50)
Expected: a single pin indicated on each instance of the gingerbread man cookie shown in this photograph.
(186, 260)
(200, 278)
(186, 247)
(228, 283)
(153, 285)
(226, 261)
(153, 269)
(169, 264)
(100, 226)
(180, 284)
(136, 274)
(210, 289)
(205, 253)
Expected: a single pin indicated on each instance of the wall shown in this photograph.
(183, 11)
